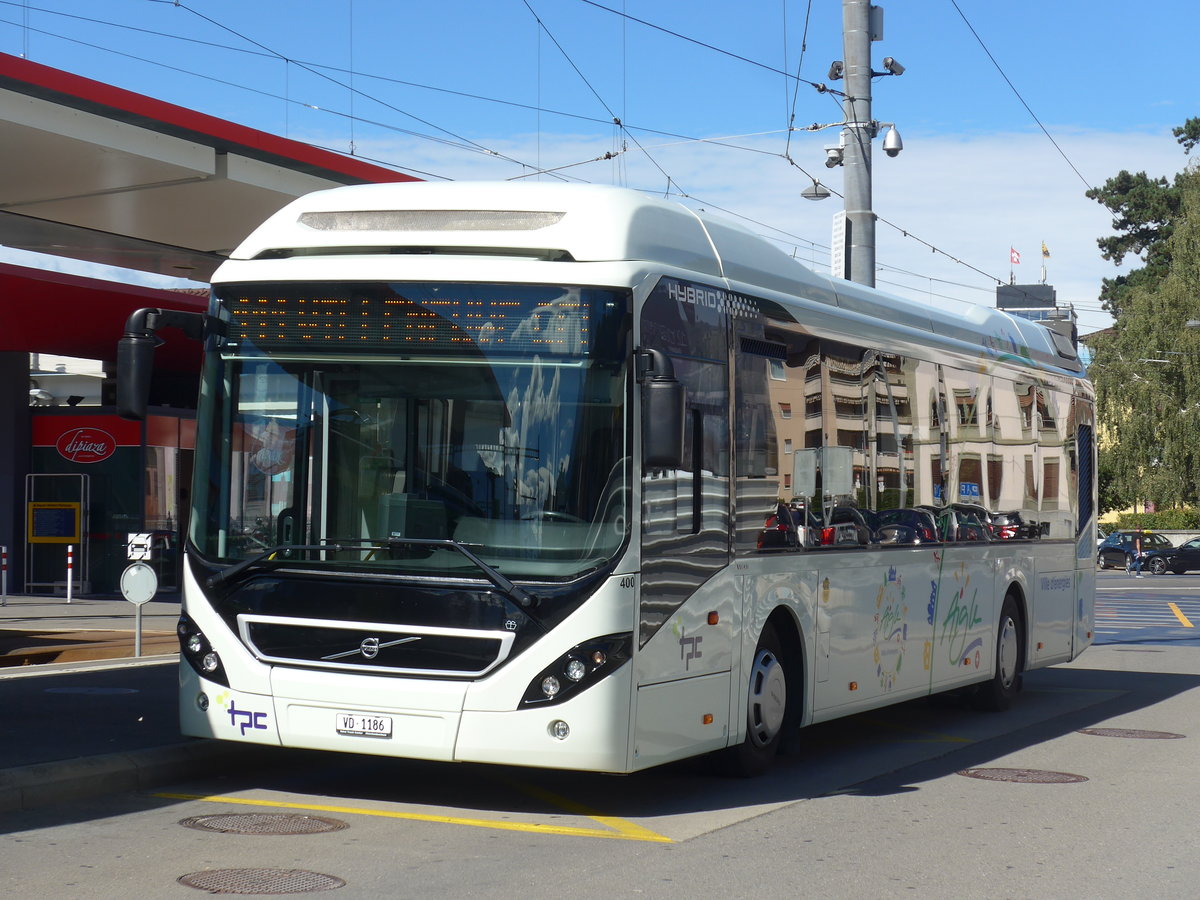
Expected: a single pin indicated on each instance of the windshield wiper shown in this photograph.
(521, 597)
(264, 561)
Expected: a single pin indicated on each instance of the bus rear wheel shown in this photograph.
(998, 694)
(766, 710)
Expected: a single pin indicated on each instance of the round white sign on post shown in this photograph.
(138, 583)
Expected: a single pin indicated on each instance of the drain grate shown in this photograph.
(261, 881)
(1023, 776)
(1133, 733)
(263, 823)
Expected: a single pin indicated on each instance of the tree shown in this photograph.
(1147, 369)
(1144, 212)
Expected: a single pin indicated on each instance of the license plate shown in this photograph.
(364, 726)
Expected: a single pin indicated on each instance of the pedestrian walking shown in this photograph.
(1134, 565)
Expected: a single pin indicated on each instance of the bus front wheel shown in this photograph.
(998, 693)
(766, 710)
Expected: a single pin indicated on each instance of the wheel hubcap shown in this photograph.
(768, 698)
(1007, 648)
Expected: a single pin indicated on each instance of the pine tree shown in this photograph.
(1144, 212)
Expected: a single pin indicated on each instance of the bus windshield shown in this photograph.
(396, 421)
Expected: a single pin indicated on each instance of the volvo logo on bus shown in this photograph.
(370, 647)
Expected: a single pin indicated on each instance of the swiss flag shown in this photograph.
(1014, 256)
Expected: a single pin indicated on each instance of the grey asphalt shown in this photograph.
(80, 714)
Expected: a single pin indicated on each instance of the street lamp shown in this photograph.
(815, 191)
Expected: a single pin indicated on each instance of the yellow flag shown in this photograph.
(1045, 251)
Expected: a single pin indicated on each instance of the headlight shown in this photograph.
(195, 648)
(578, 669)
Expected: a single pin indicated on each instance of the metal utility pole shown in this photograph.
(856, 136)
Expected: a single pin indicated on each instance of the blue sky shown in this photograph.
(479, 89)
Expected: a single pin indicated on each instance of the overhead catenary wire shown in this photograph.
(466, 143)
(791, 116)
(453, 140)
(464, 140)
(698, 43)
(262, 93)
(615, 118)
(310, 65)
(1017, 94)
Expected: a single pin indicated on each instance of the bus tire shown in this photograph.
(766, 710)
(998, 694)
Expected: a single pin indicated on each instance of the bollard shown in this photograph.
(3, 576)
(70, 566)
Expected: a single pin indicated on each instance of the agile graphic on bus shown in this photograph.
(563, 476)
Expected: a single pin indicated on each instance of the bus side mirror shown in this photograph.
(662, 411)
(135, 365)
(135, 352)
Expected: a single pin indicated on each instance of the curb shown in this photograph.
(45, 784)
(86, 665)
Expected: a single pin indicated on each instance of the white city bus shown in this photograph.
(565, 476)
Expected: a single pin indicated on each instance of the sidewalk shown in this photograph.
(43, 629)
(81, 714)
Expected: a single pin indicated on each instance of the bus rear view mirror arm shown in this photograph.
(135, 352)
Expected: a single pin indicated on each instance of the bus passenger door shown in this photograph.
(1052, 628)
(688, 602)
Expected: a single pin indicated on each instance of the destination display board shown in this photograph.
(53, 523)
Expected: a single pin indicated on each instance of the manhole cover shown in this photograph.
(261, 881)
(263, 823)
(1023, 776)
(1132, 733)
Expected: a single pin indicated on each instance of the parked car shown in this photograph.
(906, 526)
(791, 526)
(974, 522)
(1184, 558)
(1117, 550)
(961, 522)
(1009, 526)
(848, 525)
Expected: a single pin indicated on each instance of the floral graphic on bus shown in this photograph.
(961, 618)
(891, 631)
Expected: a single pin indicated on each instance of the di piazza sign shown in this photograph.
(86, 445)
(82, 440)
(79, 440)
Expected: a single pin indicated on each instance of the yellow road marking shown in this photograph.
(1180, 616)
(626, 831)
(631, 830)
